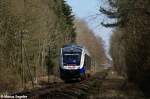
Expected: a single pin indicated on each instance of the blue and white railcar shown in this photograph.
(75, 61)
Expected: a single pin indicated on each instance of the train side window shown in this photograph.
(87, 61)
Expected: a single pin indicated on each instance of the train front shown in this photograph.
(70, 63)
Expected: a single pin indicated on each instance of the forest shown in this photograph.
(32, 32)
(130, 41)
(95, 45)
(31, 35)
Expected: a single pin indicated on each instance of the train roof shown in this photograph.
(72, 45)
(78, 48)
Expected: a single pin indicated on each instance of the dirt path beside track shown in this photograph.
(114, 87)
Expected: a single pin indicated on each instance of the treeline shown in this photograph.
(85, 37)
(130, 42)
(31, 35)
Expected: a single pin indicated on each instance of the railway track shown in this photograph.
(74, 90)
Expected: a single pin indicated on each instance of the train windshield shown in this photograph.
(71, 58)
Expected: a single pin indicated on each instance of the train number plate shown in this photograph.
(70, 67)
